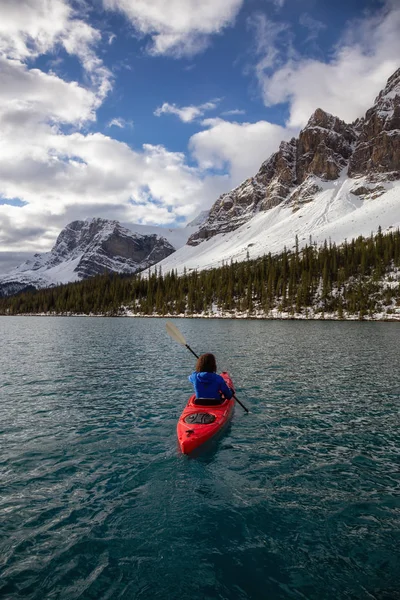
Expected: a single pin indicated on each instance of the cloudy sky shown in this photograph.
(145, 111)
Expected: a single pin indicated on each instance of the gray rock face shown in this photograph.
(324, 147)
(327, 145)
(378, 147)
(267, 189)
(116, 249)
(84, 249)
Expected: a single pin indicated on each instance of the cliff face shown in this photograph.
(378, 147)
(324, 148)
(84, 249)
(267, 189)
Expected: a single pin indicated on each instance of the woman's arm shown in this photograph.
(227, 392)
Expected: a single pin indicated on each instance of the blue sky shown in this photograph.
(222, 71)
(146, 111)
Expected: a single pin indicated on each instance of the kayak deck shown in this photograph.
(198, 423)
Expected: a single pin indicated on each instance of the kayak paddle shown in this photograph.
(176, 335)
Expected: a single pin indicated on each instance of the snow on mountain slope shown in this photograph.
(177, 237)
(335, 181)
(326, 151)
(84, 249)
(336, 213)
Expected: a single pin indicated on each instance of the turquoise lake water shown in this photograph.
(300, 499)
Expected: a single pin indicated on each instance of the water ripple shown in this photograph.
(300, 499)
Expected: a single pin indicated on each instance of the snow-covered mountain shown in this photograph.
(335, 181)
(87, 248)
(337, 212)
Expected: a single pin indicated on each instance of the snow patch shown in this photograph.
(334, 214)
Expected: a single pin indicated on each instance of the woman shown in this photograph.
(207, 384)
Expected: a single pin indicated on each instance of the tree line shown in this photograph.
(347, 279)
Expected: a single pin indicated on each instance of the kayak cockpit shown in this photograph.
(203, 418)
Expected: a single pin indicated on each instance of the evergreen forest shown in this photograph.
(358, 278)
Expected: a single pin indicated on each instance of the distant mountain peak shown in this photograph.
(87, 248)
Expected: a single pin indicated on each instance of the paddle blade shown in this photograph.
(174, 332)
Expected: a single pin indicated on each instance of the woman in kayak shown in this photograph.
(207, 384)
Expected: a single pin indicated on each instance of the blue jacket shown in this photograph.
(209, 385)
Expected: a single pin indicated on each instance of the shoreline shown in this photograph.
(277, 316)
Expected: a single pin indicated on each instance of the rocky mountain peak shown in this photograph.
(320, 118)
(378, 148)
(81, 233)
(322, 149)
(267, 189)
(325, 147)
(392, 88)
(87, 248)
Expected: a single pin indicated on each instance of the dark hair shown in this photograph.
(206, 363)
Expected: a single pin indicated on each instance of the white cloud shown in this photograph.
(367, 54)
(186, 113)
(29, 28)
(63, 177)
(28, 96)
(272, 42)
(79, 41)
(179, 27)
(32, 27)
(119, 122)
(234, 111)
(62, 174)
(240, 147)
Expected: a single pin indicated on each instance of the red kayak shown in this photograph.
(200, 422)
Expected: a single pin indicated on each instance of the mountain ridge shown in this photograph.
(368, 147)
(87, 248)
(334, 181)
